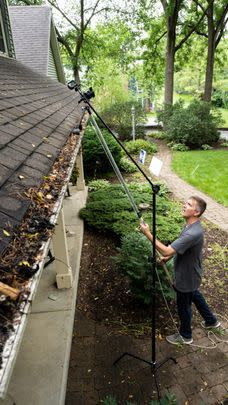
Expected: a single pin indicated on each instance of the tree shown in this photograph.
(216, 14)
(186, 18)
(72, 41)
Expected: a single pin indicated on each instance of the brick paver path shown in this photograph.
(200, 377)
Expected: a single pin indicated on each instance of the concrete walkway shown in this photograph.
(216, 213)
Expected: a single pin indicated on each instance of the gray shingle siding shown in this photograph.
(31, 34)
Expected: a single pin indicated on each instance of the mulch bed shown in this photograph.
(104, 293)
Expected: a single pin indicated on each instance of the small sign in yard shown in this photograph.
(142, 156)
(155, 166)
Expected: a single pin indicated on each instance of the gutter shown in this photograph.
(12, 344)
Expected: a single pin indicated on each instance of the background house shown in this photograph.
(35, 40)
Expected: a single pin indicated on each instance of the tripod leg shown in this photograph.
(130, 355)
(165, 361)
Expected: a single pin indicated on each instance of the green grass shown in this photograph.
(206, 170)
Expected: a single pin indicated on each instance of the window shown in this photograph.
(3, 47)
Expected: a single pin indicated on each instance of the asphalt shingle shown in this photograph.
(37, 115)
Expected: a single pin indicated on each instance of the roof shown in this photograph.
(33, 34)
(37, 115)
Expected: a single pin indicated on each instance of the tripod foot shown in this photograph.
(154, 367)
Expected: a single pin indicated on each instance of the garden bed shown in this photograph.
(105, 296)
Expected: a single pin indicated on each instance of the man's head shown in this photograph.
(194, 207)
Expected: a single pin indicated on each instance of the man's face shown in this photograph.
(190, 209)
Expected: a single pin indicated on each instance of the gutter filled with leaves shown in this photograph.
(23, 261)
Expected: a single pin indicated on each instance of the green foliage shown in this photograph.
(95, 159)
(206, 147)
(157, 135)
(193, 125)
(74, 175)
(134, 261)
(178, 146)
(168, 399)
(118, 116)
(98, 184)
(109, 210)
(220, 98)
(109, 401)
(127, 166)
(134, 147)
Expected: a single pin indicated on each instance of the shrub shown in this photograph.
(134, 147)
(119, 117)
(98, 184)
(178, 146)
(134, 261)
(109, 210)
(94, 157)
(206, 147)
(127, 166)
(157, 135)
(193, 125)
(220, 98)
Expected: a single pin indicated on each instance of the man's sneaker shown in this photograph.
(213, 326)
(177, 339)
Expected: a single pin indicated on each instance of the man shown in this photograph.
(188, 270)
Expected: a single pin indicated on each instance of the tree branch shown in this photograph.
(221, 22)
(200, 5)
(190, 32)
(64, 42)
(221, 33)
(53, 4)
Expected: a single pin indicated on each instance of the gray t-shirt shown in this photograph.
(187, 261)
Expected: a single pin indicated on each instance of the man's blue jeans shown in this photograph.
(184, 307)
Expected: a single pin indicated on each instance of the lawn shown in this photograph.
(206, 170)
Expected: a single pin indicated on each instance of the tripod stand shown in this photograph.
(85, 97)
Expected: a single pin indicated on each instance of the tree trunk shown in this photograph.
(210, 55)
(76, 74)
(171, 22)
(169, 71)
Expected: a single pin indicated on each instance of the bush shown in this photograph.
(109, 210)
(178, 146)
(134, 147)
(127, 166)
(98, 184)
(157, 135)
(119, 117)
(192, 126)
(206, 147)
(94, 156)
(134, 261)
(220, 98)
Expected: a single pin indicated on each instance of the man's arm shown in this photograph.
(166, 251)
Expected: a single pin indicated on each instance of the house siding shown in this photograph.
(52, 72)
